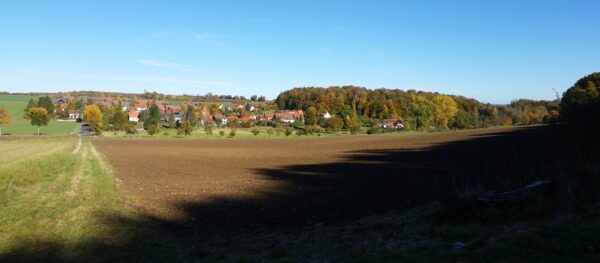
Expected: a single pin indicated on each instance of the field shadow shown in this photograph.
(359, 184)
(375, 181)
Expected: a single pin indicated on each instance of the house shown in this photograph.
(285, 117)
(226, 106)
(167, 108)
(74, 114)
(62, 103)
(268, 116)
(392, 124)
(325, 115)
(62, 106)
(209, 121)
(240, 105)
(134, 115)
(220, 118)
(250, 107)
(247, 118)
(140, 106)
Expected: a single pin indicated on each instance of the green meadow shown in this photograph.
(15, 104)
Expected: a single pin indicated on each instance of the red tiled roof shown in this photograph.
(133, 114)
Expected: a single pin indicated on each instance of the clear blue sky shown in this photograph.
(494, 51)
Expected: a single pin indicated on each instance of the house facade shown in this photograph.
(74, 114)
(134, 115)
(392, 124)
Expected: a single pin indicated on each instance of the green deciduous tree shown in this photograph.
(311, 116)
(39, 117)
(120, 119)
(421, 112)
(152, 120)
(46, 103)
(172, 122)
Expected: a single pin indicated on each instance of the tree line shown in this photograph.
(419, 110)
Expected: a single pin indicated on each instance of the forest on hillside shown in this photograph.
(418, 109)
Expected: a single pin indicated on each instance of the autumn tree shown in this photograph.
(31, 104)
(444, 108)
(4, 118)
(39, 117)
(352, 125)
(93, 116)
(185, 128)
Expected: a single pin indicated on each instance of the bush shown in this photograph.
(279, 131)
(334, 124)
(222, 133)
(376, 129)
(312, 129)
(247, 124)
(152, 129)
(255, 131)
(270, 131)
(288, 132)
(130, 129)
(232, 133)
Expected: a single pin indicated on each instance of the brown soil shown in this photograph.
(230, 184)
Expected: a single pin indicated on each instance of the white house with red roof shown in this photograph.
(134, 115)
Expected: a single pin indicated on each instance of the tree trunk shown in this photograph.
(0, 130)
(38, 133)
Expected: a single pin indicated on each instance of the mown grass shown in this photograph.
(51, 203)
(15, 104)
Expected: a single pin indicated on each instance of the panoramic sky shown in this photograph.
(494, 51)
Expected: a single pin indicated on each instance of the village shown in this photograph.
(230, 114)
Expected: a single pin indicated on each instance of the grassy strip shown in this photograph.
(52, 207)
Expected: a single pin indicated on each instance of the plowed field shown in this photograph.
(235, 183)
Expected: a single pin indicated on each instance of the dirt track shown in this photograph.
(233, 183)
